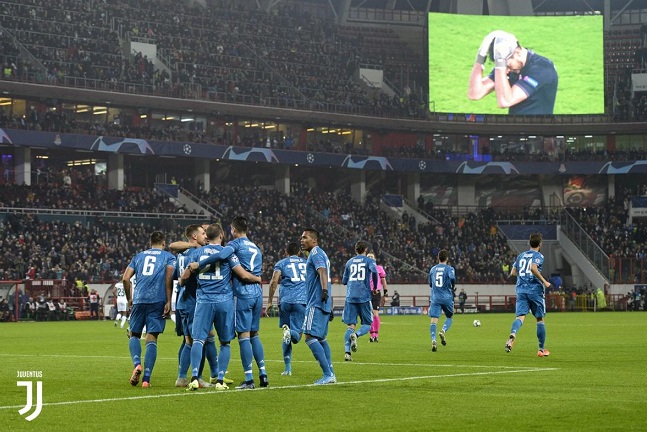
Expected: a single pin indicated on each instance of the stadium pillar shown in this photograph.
(358, 186)
(510, 7)
(466, 193)
(202, 174)
(282, 179)
(23, 166)
(116, 171)
(413, 187)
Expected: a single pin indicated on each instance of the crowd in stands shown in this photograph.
(100, 248)
(233, 52)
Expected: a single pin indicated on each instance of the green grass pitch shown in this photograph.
(573, 43)
(595, 379)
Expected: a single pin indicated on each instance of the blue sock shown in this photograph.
(149, 359)
(202, 359)
(179, 352)
(212, 355)
(296, 336)
(259, 355)
(432, 331)
(196, 357)
(326, 348)
(516, 325)
(287, 355)
(223, 360)
(320, 355)
(185, 360)
(349, 331)
(365, 328)
(246, 357)
(135, 348)
(447, 325)
(541, 334)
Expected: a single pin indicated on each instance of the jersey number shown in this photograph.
(525, 268)
(254, 252)
(298, 275)
(439, 281)
(211, 272)
(149, 265)
(357, 272)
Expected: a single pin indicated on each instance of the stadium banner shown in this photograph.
(638, 82)
(138, 146)
(638, 207)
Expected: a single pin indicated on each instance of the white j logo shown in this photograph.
(39, 398)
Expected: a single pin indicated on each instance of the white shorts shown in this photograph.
(122, 304)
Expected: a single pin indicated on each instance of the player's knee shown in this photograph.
(136, 335)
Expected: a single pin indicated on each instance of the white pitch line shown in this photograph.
(211, 392)
(354, 363)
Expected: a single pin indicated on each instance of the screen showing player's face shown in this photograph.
(573, 44)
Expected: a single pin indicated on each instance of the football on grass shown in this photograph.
(476, 323)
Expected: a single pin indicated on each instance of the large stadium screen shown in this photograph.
(563, 72)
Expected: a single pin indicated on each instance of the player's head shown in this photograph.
(309, 239)
(195, 233)
(371, 255)
(361, 247)
(517, 58)
(443, 256)
(215, 233)
(157, 239)
(292, 249)
(535, 240)
(239, 226)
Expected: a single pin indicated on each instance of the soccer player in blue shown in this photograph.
(442, 280)
(249, 301)
(359, 272)
(318, 304)
(531, 287)
(214, 303)
(186, 300)
(290, 273)
(151, 300)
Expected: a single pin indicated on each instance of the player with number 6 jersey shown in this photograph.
(153, 270)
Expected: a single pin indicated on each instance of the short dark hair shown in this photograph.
(292, 248)
(240, 224)
(535, 240)
(361, 247)
(443, 255)
(190, 230)
(214, 231)
(313, 232)
(157, 237)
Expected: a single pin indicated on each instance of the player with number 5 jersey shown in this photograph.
(530, 293)
(359, 272)
(442, 280)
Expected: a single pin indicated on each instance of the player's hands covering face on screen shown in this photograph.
(504, 47)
